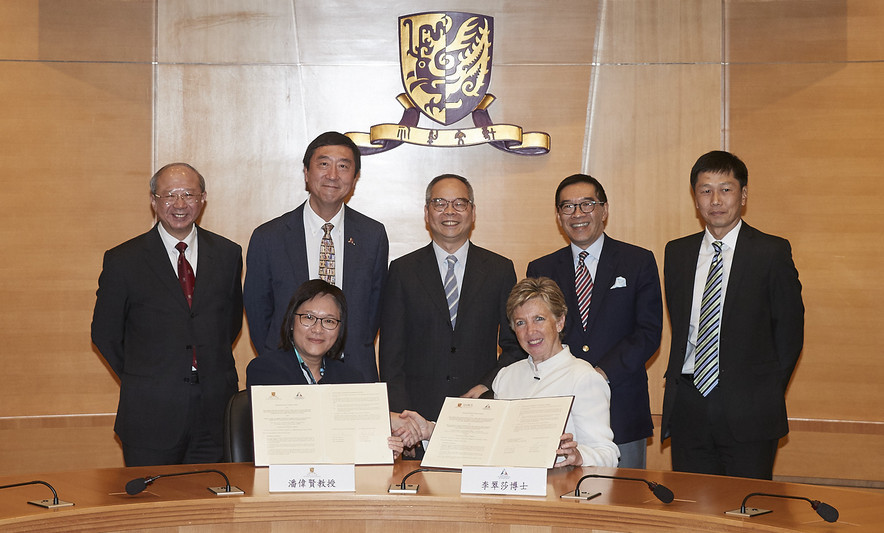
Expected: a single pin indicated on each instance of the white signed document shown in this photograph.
(516, 433)
(321, 424)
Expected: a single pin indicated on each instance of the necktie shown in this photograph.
(327, 255)
(451, 290)
(187, 281)
(583, 284)
(706, 361)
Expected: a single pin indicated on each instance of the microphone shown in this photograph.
(826, 511)
(48, 504)
(402, 488)
(661, 492)
(139, 484)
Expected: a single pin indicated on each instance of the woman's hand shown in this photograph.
(568, 450)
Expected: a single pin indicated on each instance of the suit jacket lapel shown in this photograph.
(354, 254)
(688, 272)
(206, 273)
(157, 259)
(741, 262)
(473, 278)
(604, 278)
(295, 244)
(428, 275)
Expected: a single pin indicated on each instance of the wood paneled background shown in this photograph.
(96, 94)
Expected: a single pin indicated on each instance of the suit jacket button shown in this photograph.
(453, 349)
(585, 348)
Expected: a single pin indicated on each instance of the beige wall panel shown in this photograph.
(811, 136)
(76, 139)
(55, 443)
(226, 31)
(831, 456)
(528, 31)
(659, 31)
(85, 30)
(804, 30)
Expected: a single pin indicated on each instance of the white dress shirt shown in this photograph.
(313, 234)
(704, 260)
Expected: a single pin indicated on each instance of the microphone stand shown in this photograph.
(826, 511)
(661, 492)
(54, 503)
(402, 488)
(139, 484)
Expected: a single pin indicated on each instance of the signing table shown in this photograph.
(183, 503)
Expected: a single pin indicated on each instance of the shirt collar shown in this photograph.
(729, 240)
(314, 222)
(460, 253)
(170, 241)
(594, 250)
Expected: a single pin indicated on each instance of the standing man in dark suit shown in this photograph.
(734, 301)
(322, 238)
(444, 309)
(618, 328)
(168, 309)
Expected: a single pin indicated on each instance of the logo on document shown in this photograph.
(445, 62)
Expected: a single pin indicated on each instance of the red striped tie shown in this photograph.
(583, 284)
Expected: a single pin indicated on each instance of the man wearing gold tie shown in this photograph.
(323, 238)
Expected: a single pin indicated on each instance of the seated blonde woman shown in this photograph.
(536, 310)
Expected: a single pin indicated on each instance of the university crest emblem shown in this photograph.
(445, 59)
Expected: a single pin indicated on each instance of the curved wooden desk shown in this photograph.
(179, 503)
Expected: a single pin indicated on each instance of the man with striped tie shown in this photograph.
(615, 311)
(737, 317)
(444, 309)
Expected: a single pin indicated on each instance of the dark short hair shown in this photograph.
(441, 177)
(720, 162)
(307, 291)
(333, 138)
(543, 288)
(156, 176)
(582, 178)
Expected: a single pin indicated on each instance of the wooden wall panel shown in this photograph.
(631, 91)
(805, 114)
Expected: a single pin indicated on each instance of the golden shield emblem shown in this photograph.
(445, 60)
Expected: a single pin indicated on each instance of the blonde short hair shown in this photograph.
(543, 288)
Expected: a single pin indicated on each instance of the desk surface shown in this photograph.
(171, 504)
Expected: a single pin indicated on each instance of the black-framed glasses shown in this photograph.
(586, 206)
(441, 204)
(308, 319)
(188, 197)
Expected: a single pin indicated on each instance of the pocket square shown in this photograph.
(619, 282)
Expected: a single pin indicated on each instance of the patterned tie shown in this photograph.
(451, 290)
(187, 281)
(327, 255)
(583, 284)
(706, 361)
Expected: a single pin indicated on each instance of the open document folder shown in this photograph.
(515, 433)
(321, 424)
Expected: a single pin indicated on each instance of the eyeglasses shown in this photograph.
(441, 204)
(188, 197)
(308, 320)
(586, 206)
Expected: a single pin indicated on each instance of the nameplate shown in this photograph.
(313, 478)
(503, 480)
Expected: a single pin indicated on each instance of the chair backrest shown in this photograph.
(239, 444)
